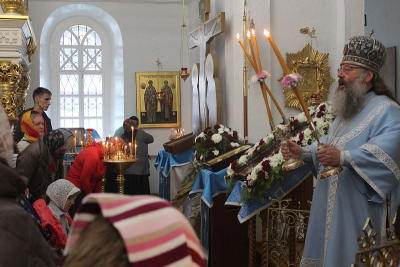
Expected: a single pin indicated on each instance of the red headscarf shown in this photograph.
(27, 127)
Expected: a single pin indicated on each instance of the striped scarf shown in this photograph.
(155, 233)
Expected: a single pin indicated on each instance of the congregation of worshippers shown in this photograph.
(50, 202)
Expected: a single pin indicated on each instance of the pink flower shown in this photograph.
(260, 76)
(288, 80)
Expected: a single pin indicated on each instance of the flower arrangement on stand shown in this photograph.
(211, 143)
(268, 171)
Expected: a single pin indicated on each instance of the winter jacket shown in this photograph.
(21, 243)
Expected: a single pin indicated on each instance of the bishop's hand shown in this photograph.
(292, 149)
(329, 156)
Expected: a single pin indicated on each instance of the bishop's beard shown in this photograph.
(346, 102)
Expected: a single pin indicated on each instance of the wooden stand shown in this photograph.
(180, 144)
(229, 244)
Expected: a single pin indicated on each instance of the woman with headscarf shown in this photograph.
(54, 217)
(87, 172)
(21, 242)
(137, 175)
(33, 126)
(41, 162)
(139, 230)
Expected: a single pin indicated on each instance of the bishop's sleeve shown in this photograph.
(377, 161)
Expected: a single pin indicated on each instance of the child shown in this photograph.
(54, 217)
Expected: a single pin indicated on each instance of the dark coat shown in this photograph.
(21, 241)
(34, 163)
(18, 134)
(142, 166)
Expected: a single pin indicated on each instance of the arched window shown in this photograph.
(81, 62)
(80, 79)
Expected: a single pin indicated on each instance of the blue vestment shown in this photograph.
(367, 187)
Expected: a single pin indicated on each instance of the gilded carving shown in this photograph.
(12, 6)
(23, 87)
(10, 75)
(314, 68)
(31, 49)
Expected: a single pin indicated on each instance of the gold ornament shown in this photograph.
(12, 6)
(313, 67)
(10, 75)
(23, 86)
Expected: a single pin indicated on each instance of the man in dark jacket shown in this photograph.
(42, 100)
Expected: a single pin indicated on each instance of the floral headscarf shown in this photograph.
(160, 229)
(55, 139)
(6, 141)
(128, 123)
(29, 128)
(60, 190)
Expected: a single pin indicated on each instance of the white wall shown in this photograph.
(383, 18)
(152, 31)
(334, 21)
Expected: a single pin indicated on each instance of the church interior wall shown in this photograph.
(152, 31)
(383, 18)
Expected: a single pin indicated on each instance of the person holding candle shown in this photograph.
(137, 175)
(87, 172)
(364, 141)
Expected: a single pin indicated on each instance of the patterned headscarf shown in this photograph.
(55, 139)
(6, 141)
(60, 190)
(162, 235)
(29, 128)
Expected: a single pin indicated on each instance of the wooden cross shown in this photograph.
(201, 37)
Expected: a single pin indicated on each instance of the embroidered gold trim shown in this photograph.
(311, 263)
(329, 210)
(384, 158)
(365, 177)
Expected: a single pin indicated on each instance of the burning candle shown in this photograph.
(246, 53)
(75, 142)
(253, 34)
(132, 133)
(130, 149)
(285, 68)
(106, 151)
(252, 51)
(135, 149)
(126, 148)
(286, 71)
(82, 145)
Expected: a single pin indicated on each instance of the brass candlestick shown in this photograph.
(119, 162)
(282, 132)
(328, 170)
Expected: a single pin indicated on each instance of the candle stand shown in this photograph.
(119, 162)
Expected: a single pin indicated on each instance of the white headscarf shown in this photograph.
(6, 141)
(60, 190)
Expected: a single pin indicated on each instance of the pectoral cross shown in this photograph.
(201, 37)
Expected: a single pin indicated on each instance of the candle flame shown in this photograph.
(266, 33)
(253, 32)
(248, 34)
(237, 36)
